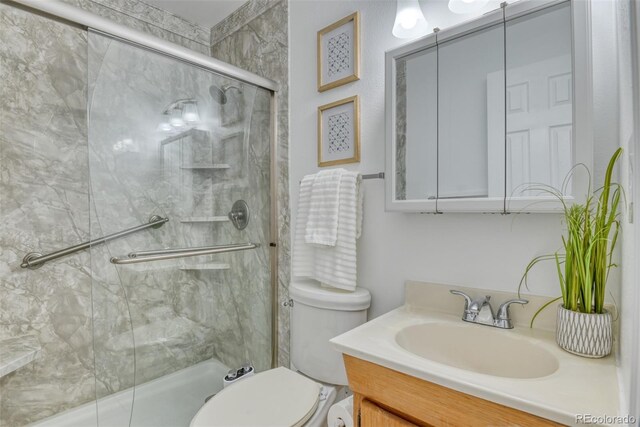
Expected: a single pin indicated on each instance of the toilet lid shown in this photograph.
(277, 397)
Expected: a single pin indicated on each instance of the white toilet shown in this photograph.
(283, 397)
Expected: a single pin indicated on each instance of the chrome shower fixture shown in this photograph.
(219, 95)
(239, 215)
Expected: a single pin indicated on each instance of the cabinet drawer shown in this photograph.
(371, 415)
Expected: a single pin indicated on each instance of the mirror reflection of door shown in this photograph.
(539, 111)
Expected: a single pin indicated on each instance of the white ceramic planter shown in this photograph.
(584, 334)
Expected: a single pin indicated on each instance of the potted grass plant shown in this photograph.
(584, 326)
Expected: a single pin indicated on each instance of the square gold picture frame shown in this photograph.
(338, 53)
(339, 132)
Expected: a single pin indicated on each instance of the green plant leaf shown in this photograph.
(592, 230)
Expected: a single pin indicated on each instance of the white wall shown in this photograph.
(475, 250)
(629, 124)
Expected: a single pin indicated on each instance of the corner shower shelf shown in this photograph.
(17, 352)
(212, 166)
(206, 267)
(205, 219)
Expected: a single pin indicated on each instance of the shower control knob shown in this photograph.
(246, 368)
(239, 215)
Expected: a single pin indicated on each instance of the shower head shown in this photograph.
(219, 95)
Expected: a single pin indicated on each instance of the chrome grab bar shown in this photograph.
(164, 254)
(36, 260)
(181, 250)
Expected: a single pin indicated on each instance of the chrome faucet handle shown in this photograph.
(467, 298)
(503, 310)
(503, 320)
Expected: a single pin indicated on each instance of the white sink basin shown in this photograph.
(521, 368)
(476, 348)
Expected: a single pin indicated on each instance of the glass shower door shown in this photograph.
(171, 140)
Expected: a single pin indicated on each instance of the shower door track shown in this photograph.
(89, 20)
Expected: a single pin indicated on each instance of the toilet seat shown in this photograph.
(277, 397)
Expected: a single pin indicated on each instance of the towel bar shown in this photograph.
(379, 175)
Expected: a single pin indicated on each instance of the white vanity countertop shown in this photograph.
(17, 352)
(579, 386)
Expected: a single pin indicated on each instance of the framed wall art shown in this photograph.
(339, 132)
(339, 53)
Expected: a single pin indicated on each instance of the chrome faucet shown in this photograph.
(480, 311)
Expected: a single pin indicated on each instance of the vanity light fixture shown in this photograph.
(410, 22)
(176, 119)
(190, 112)
(164, 125)
(466, 6)
(178, 114)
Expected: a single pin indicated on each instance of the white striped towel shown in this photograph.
(322, 222)
(333, 266)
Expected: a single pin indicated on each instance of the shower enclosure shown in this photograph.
(170, 139)
(189, 148)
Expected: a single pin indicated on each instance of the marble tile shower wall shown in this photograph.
(44, 205)
(149, 19)
(255, 38)
(44, 191)
(401, 130)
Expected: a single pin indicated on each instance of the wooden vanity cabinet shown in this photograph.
(387, 398)
(373, 415)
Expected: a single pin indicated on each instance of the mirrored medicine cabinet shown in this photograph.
(483, 116)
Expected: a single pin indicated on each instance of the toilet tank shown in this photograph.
(319, 314)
